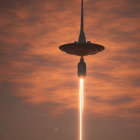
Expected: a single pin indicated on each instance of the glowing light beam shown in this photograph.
(81, 105)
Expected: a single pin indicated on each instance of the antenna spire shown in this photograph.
(82, 16)
(82, 38)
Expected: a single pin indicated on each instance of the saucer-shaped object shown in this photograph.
(81, 49)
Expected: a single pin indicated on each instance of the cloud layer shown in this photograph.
(35, 69)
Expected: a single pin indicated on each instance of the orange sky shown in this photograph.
(36, 72)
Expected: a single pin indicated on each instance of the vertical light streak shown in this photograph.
(81, 103)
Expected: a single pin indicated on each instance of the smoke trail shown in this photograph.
(81, 103)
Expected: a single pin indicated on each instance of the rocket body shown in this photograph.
(82, 68)
(82, 47)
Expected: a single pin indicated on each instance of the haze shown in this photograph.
(39, 84)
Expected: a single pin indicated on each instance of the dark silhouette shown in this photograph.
(82, 47)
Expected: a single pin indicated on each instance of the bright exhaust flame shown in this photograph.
(81, 103)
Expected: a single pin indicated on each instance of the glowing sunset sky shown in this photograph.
(39, 83)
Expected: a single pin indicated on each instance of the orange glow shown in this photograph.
(81, 103)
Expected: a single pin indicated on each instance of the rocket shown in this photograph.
(81, 47)
(82, 39)
(81, 68)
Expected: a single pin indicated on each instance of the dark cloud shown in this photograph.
(135, 110)
(113, 101)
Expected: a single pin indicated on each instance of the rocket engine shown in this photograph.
(82, 68)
